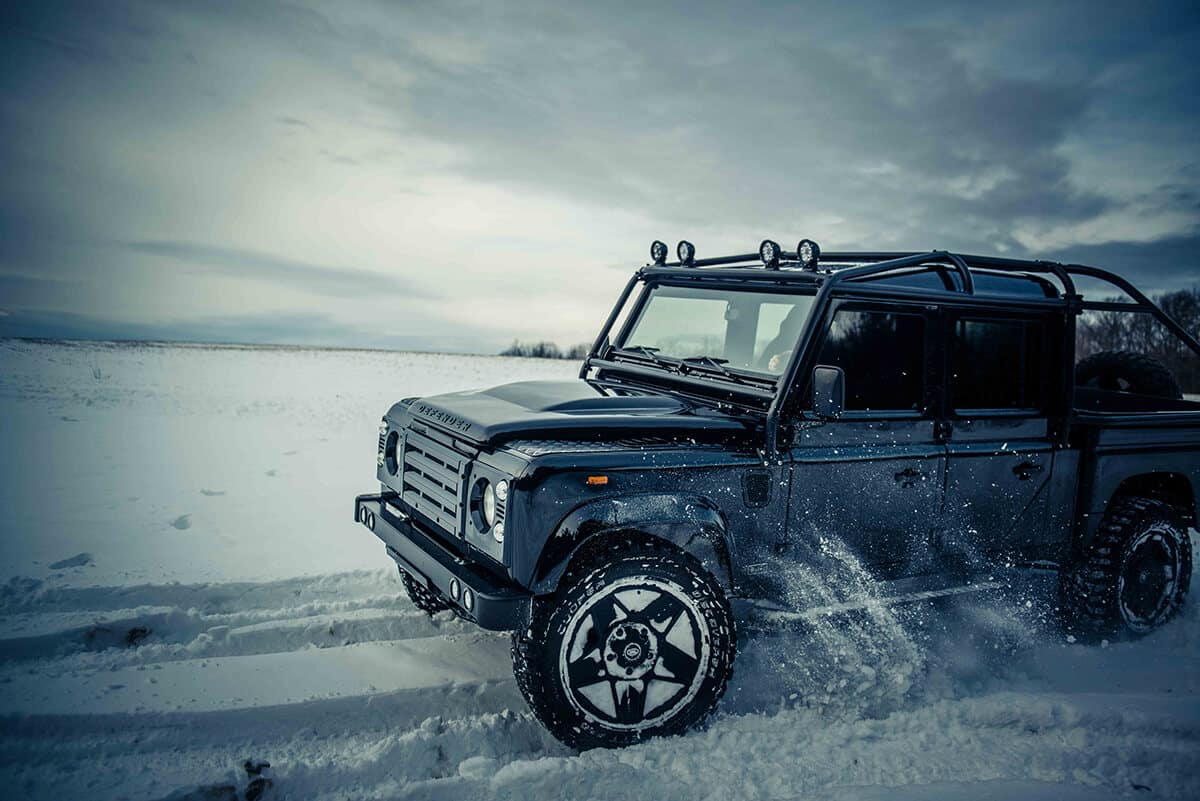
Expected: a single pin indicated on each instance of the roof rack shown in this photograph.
(861, 265)
(870, 263)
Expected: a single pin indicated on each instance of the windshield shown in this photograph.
(738, 329)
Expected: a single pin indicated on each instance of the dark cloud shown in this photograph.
(317, 278)
(25, 290)
(701, 124)
(179, 130)
(1164, 265)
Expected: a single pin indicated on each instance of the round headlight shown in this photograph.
(498, 531)
(489, 505)
(502, 491)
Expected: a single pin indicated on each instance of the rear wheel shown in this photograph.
(422, 597)
(637, 642)
(1136, 575)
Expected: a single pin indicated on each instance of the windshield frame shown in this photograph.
(753, 392)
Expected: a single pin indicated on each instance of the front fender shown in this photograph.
(692, 522)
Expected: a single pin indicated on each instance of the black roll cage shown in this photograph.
(859, 266)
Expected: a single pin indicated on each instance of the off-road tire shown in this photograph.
(603, 618)
(1127, 371)
(1135, 577)
(422, 597)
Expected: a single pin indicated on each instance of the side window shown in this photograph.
(883, 356)
(997, 364)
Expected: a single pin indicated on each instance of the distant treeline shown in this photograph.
(1141, 333)
(545, 350)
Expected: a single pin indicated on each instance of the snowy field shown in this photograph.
(182, 589)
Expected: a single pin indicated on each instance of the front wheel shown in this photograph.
(637, 642)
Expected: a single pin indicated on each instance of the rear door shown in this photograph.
(872, 480)
(999, 369)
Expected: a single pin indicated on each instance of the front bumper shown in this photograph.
(495, 603)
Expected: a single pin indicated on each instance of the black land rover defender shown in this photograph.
(925, 409)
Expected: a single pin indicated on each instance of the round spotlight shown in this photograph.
(658, 252)
(371, 520)
(686, 252)
(468, 600)
(770, 252)
(502, 491)
(809, 253)
(454, 588)
(362, 514)
(498, 532)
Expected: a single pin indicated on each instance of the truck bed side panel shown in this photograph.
(1124, 447)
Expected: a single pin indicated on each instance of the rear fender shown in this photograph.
(691, 522)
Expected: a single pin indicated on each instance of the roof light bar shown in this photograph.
(686, 252)
(658, 252)
(809, 253)
(770, 252)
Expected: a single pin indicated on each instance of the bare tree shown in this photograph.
(1115, 330)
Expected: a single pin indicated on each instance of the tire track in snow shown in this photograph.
(391, 718)
(22, 594)
(339, 676)
(205, 621)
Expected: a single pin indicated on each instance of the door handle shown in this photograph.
(1025, 470)
(909, 476)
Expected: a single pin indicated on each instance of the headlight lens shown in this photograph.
(489, 504)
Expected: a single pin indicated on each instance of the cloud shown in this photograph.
(271, 328)
(1160, 266)
(487, 161)
(25, 290)
(316, 278)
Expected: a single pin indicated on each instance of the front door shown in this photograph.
(870, 483)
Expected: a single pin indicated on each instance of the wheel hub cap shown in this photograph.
(1146, 587)
(633, 653)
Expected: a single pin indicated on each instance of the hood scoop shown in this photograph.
(548, 396)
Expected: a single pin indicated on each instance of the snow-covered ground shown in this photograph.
(182, 589)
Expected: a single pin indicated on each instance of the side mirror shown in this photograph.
(829, 392)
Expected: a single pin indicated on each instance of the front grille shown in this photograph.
(432, 480)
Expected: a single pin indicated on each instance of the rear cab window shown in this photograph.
(998, 365)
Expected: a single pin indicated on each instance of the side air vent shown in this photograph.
(756, 488)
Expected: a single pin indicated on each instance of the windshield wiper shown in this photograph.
(650, 353)
(710, 366)
(645, 350)
(708, 361)
(735, 375)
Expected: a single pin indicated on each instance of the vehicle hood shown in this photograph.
(564, 409)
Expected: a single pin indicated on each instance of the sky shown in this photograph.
(456, 175)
